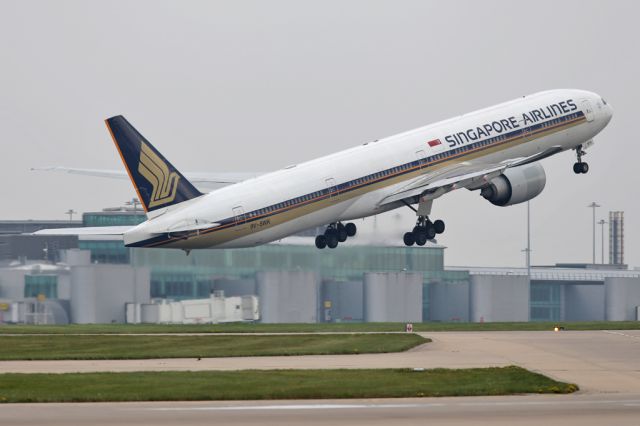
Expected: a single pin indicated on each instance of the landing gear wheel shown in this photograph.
(423, 231)
(342, 234)
(577, 168)
(584, 168)
(321, 242)
(409, 239)
(430, 231)
(332, 241)
(351, 229)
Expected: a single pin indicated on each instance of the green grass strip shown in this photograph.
(273, 384)
(310, 328)
(31, 347)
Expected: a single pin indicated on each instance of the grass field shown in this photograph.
(273, 384)
(112, 346)
(309, 328)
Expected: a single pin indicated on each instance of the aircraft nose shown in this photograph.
(608, 111)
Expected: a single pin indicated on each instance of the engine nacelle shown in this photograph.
(515, 185)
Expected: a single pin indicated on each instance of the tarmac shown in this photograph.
(605, 364)
(534, 410)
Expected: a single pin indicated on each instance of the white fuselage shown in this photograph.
(353, 183)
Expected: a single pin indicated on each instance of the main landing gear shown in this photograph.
(334, 234)
(423, 231)
(580, 166)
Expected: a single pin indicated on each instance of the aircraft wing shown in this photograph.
(462, 175)
(205, 179)
(434, 185)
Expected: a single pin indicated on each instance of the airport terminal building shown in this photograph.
(85, 280)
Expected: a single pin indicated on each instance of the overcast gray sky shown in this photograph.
(255, 86)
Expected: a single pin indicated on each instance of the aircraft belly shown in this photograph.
(253, 233)
(285, 228)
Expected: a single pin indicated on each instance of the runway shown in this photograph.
(605, 364)
(568, 410)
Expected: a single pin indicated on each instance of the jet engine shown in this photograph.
(515, 185)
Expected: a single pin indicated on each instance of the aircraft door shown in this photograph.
(526, 133)
(587, 109)
(421, 156)
(331, 188)
(239, 218)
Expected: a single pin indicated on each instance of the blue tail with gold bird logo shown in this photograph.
(156, 181)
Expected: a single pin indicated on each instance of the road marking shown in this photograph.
(619, 333)
(514, 403)
(294, 407)
(628, 403)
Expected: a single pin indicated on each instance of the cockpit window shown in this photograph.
(603, 101)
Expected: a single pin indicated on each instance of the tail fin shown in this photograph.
(156, 181)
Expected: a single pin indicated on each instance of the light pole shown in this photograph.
(601, 222)
(134, 202)
(71, 212)
(528, 249)
(593, 206)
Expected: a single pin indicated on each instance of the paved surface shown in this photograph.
(598, 361)
(566, 410)
(605, 364)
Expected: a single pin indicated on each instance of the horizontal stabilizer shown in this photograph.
(89, 230)
(205, 179)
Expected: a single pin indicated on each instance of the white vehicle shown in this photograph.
(494, 150)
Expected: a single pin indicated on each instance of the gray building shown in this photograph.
(87, 292)
(392, 297)
(569, 292)
(342, 301)
(288, 296)
(621, 298)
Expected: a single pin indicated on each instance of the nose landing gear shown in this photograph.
(334, 234)
(580, 166)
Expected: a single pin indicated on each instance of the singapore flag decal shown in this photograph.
(434, 143)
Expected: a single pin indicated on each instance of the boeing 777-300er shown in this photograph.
(494, 150)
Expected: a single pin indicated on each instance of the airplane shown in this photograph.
(494, 151)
